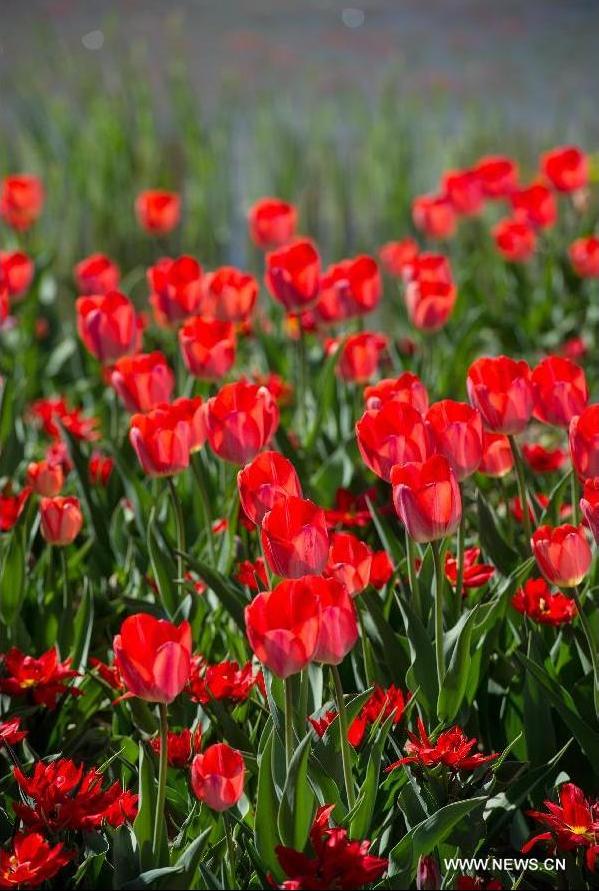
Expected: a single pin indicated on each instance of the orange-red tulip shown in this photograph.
(265, 481)
(360, 356)
(427, 498)
(562, 553)
(350, 562)
(21, 200)
(17, 270)
(96, 274)
(566, 168)
(464, 191)
(272, 222)
(397, 256)
(457, 433)
(430, 303)
(175, 289)
(584, 442)
(349, 288)
(295, 538)
(501, 389)
(560, 390)
(158, 211)
(393, 434)
(45, 478)
(143, 381)
(207, 347)
(434, 215)
(584, 256)
(498, 175)
(535, 205)
(229, 294)
(293, 274)
(61, 520)
(161, 440)
(217, 776)
(107, 325)
(497, 456)
(515, 240)
(406, 388)
(153, 657)
(338, 619)
(242, 418)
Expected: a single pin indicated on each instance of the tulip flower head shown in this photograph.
(207, 347)
(96, 274)
(562, 553)
(217, 776)
(161, 440)
(456, 430)
(175, 289)
(293, 274)
(229, 295)
(501, 389)
(272, 222)
(390, 436)
(560, 390)
(61, 520)
(427, 498)
(21, 200)
(158, 211)
(584, 442)
(295, 538)
(241, 419)
(153, 657)
(143, 381)
(266, 480)
(107, 325)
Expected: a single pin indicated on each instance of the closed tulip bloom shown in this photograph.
(283, 626)
(429, 266)
(584, 442)
(193, 412)
(560, 390)
(406, 388)
(61, 520)
(208, 347)
(338, 620)
(430, 303)
(21, 200)
(566, 168)
(295, 538)
(293, 274)
(497, 457)
(153, 657)
(175, 289)
(434, 215)
(397, 256)
(143, 381)
(158, 211)
(394, 434)
(350, 562)
(348, 289)
(464, 190)
(242, 418)
(589, 505)
(501, 389)
(107, 325)
(562, 553)
(96, 274)
(45, 478)
(584, 256)
(17, 271)
(457, 433)
(228, 294)
(498, 176)
(268, 479)
(272, 222)
(535, 205)
(161, 440)
(217, 776)
(427, 498)
(360, 356)
(515, 240)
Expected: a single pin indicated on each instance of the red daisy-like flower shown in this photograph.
(452, 748)
(44, 678)
(381, 703)
(536, 600)
(11, 733)
(573, 823)
(475, 574)
(225, 680)
(31, 861)
(181, 747)
(252, 574)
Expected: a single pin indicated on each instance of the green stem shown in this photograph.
(230, 852)
(162, 770)
(178, 511)
(198, 472)
(574, 496)
(345, 745)
(413, 575)
(288, 721)
(588, 633)
(65, 579)
(527, 505)
(439, 581)
(367, 672)
(301, 380)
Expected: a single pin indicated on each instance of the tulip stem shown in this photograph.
(198, 472)
(527, 505)
(288, 721)
(574, 496)
(588, 633)
(65, 580)
(180, 531)
(162, 770)
(413, 575)
(345, 750)
(439, 652)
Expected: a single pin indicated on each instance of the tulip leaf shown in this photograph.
(265, 823)
(362, 813)
(297, 803)
(83, 627)
(13, 574)
(229, 594)
(454, 684)
(163, 568)
(422, 672)
(492, 540)
(325, 390)
(143, 825)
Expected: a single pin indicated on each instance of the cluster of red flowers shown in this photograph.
(225, 680)
(44, 679)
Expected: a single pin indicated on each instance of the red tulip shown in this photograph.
(381, 569)
(31, 861)
(349, 288)
(395, 434)
(294, 538)
(283, 626)
(457, 432)
(229, 294)
(584, 442)
(406, 388)
(560, 390)
(143, 381)
(566, 168)
(430, 303)
(429, 267)
(427, 498)
(4, 301)
(12, 506)
(515, 240)
(293, 274)
(242, 419)
(497, 457)
(360, 356)
(535, 599)
(153, 657)
(562, 553)
(207, 347)
(589, 505)
(264, 482)
(193, 412)
(161, 440)
(217, 776)
(158, 211)
(535, 205)
(45, 478)
(501, 389)
(543, 460)
(17, 271)
(99, 468)
(584, 256)
(272, 222)
(498, 175)
(96, 274)
(338, 620)
(396, 256)
(107, 325)
(464, 191)
(434, 215)
(176, 289)
(61, 520)
(21, 200)
(350, 562)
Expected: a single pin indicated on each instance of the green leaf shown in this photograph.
(163, 568)
(13, 574)
(83, 627)
(265, 824)
(297, 803)
(423, 671)
(362, 813)
(454, 685)
(229, 594)
(143, 825)
(325, 390)
(491, 538)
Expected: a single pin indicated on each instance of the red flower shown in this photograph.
(566, 168)
(180, 747)
(61, 520)
(475, 574)
(241, 419)
(560, 390)
(161, 440)
(574, 348)
(338, 620)
(380, 704)
(497, 459)
(96, 274)
(294, 538)
(193, 412)
(11, 507)
(350, 561)
(45, 678)
(283, 626)
(153, 657)
(158, 211)
(394, 434)
(562, 553)
(406, 388)
(63, 795)
(584, 256)
(217, 776)
(281, 390)
(381, 569)
(572, 824)
(543, 460)
(266, 480)
(453, 749)
(207, 347)
(100, 468)
(336, 863)
(457, 431)
(349, 288)
(16, 270)
(498, 175)
(535, 600)
(349, 509)
(500, 388)
(45, 478)
(430, 303)
(584, 442)
(21, 200)
(107, 325)
(228, 294)
(434, 215)
(464, 190)
(360, 355)
(535, 205)
(143, 381)
(396, 256)
(429, 267)
(427, 498)
(252, 574)
(49, 411)
(293, 274)
(32, 861)
(515, 240)
(589, 505)
(110, 674)
(272, 222)
(223, 681)
(322, 723)
(176, 289)
(11, 733)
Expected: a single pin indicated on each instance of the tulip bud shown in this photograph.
(217, 776)
(61, 520)
(295, 538)
(153, 657)
(265, 481)
(427, 498)
(45, 478)
(562, 553)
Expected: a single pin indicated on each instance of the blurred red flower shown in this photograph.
(207, 347)
(228, 294)
(536, 600)
(175, 289)
(181, 747)
(21, 200)
(96, 274)
(158, 211)
(381, 704)
(272, 222)
(566, 168)
(293, 274)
